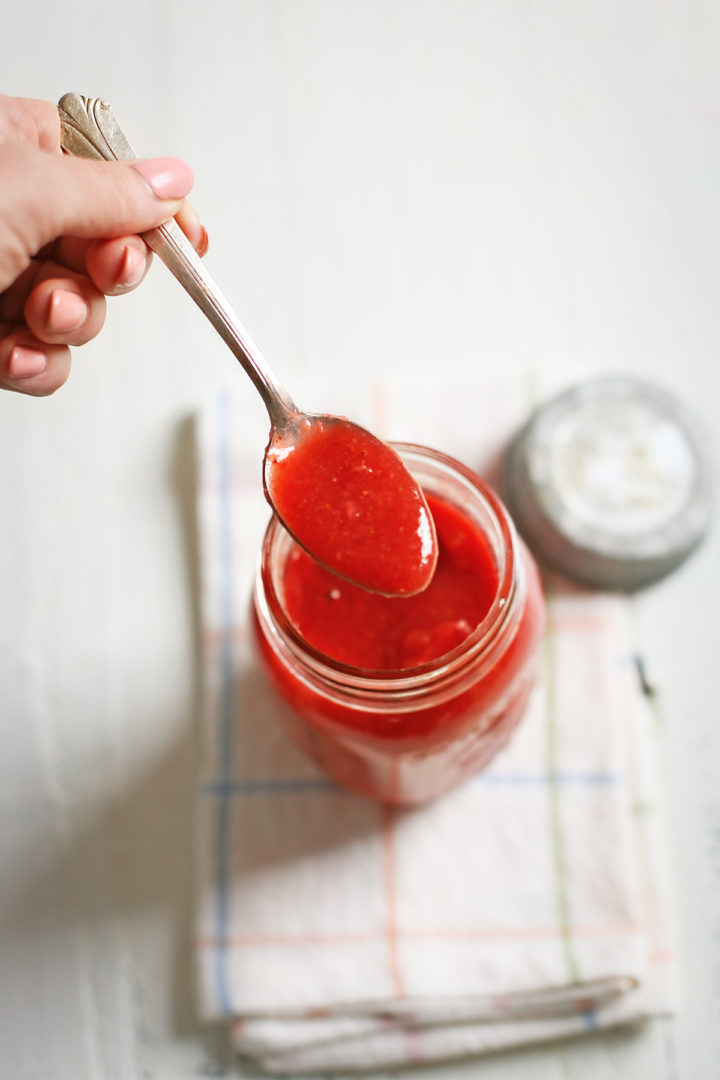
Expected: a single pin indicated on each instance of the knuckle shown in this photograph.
(14, 258)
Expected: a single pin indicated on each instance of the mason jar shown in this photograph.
(407, 734)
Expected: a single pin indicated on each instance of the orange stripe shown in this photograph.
(661, 957)
(582, 622)
(393, 935)
(239, 941)
(218, 636)
(388, 831)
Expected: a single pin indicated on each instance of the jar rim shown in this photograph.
(476, 642)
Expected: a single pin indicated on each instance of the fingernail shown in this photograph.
(195, 232)
(25, 362)
(132, 267)
(168, 178)
(66, 312)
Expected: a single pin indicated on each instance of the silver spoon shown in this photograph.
(338, 523)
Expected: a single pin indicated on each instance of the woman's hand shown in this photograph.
(69, 238)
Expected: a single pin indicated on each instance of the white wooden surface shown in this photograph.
(385, 183)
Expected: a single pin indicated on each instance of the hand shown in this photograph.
(69, 238)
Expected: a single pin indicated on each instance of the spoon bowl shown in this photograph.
(348, 499)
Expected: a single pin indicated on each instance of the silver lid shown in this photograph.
(609, 482)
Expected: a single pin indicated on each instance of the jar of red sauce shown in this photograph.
(401, 699)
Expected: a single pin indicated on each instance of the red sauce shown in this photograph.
(366, 630)
(349, 500)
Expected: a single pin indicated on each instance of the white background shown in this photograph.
(388, 185)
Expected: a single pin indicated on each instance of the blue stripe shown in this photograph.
(225, 763)
(590, 1017)
(288, 784)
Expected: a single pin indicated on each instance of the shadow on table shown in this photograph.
(118, 879)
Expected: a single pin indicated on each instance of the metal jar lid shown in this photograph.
(609, 482)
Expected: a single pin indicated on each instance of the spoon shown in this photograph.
(345, 496)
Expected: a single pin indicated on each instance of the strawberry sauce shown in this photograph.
(349, 500)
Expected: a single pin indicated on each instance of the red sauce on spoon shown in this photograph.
(349, 500)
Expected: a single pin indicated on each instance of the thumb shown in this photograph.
(45, 196)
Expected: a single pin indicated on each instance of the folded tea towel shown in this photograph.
(333, 933)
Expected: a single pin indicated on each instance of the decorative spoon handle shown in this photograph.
(90, 129)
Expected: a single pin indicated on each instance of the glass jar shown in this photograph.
(406, 736)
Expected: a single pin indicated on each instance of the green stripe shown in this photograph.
(558, 840)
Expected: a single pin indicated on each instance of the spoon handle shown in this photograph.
(90, 129)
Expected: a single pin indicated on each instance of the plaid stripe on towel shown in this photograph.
(335, 933)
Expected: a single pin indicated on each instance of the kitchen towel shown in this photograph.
(529, 904)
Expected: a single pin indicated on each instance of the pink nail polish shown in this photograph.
(25, 362)
(132, 267)
(67, 311)
(168, 178)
